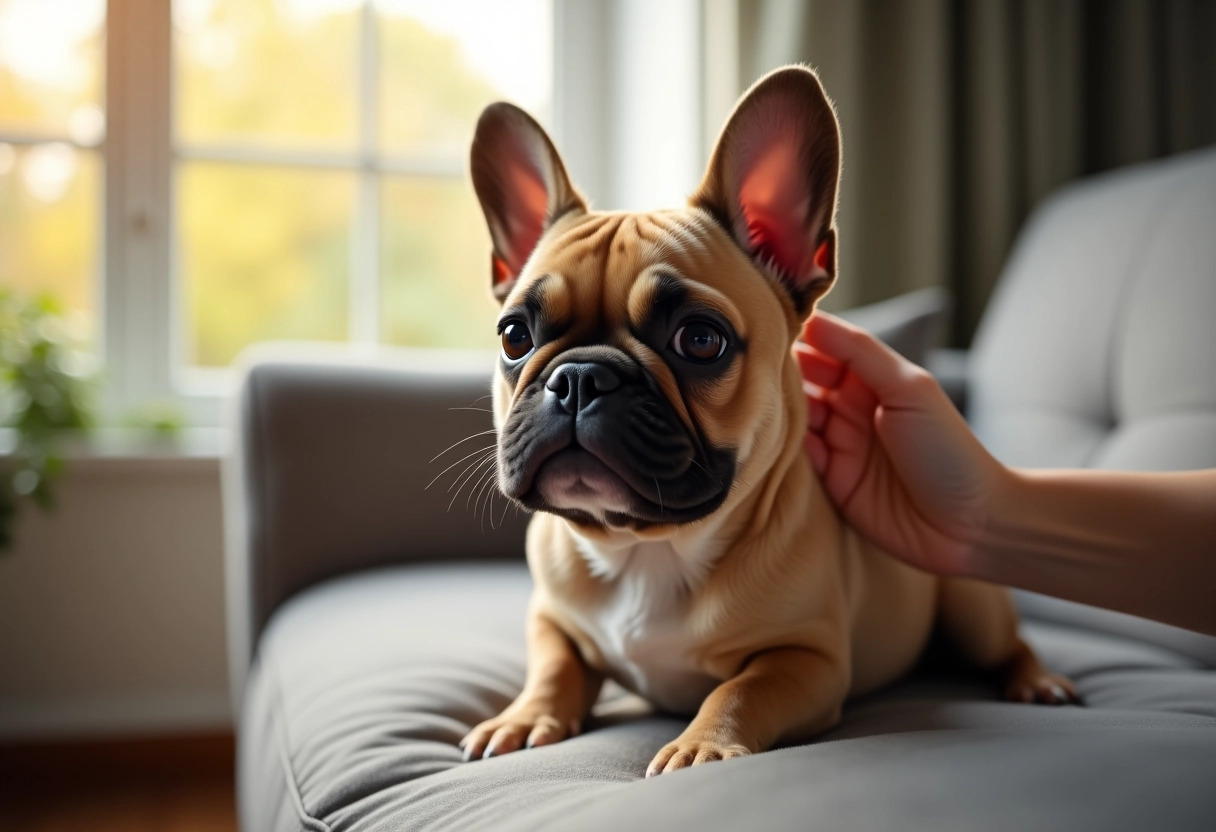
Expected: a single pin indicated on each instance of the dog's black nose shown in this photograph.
(577, 385)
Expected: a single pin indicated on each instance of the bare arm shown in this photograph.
(1134, 542)
(905, 470)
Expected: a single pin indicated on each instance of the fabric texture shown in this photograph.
(960, 117)
(364, 684)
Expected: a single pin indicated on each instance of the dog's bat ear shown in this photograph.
(522, 186)
(772, 180)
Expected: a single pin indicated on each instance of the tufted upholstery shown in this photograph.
(1099, 347)
(363, 685)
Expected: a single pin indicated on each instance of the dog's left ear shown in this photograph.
(772, 182)
(522, 185)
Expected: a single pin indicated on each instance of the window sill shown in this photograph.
(114, 448)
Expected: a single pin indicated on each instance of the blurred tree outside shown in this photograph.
(266, 251)
(50, 193)
(263, 246)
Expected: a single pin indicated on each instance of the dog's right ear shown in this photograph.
(522, 186)
(772, 182)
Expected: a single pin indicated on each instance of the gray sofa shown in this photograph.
(371, 627)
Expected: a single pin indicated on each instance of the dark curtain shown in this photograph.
(960, 115)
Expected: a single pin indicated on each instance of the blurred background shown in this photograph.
(181, 180)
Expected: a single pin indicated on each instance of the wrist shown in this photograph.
(1004, 520)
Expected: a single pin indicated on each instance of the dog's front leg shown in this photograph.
(789, 693)
(557, 696)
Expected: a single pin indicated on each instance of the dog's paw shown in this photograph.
(522, 725)
(694, 749)
(1033, 684)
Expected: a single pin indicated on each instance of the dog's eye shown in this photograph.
(516, 341)
(699, 341)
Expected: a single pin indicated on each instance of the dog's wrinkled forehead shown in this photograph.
(602, 277)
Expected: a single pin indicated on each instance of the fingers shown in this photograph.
(843, 418)
(817, 367)
(817, 449)
(882, 369)
(817, 407)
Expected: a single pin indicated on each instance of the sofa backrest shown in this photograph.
(1099, 346)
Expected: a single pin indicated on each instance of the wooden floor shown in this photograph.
(181, 784)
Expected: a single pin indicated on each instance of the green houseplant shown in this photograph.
(45, 392)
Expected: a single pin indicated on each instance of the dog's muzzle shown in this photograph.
(592, 439)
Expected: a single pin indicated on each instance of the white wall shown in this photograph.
(628, 115)
(112, 609)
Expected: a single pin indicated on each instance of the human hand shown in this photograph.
(893, 453)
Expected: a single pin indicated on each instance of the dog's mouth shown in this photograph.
(594, 489)
(576, 479)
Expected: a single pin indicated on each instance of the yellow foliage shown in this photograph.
(265, 251)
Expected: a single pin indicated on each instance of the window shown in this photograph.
(51, 126)
(190, 178)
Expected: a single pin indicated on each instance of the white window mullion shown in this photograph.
(138, 215)
(365, 247)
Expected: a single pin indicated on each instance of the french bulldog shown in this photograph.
(650, 413)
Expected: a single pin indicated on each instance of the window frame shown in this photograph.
(141, 312)
(143, 284)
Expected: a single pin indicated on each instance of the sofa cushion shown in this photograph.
(1097, 346)
(363, 685)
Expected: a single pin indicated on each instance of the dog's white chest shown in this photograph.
(642, 630)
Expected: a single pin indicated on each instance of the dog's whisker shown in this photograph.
(481, 479)
(478, 409)
(716, 481)
(659, 491)
(468, 478)
(477, 463)
(487, 480)
(495, 491)
(461, 442)
(457, 462)
(489, 499)
(474, 479)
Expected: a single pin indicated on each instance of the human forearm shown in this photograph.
(1135, 542)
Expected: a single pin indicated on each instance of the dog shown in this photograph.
(649, 411)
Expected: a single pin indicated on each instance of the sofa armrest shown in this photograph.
(328, 470)
(911, 324)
